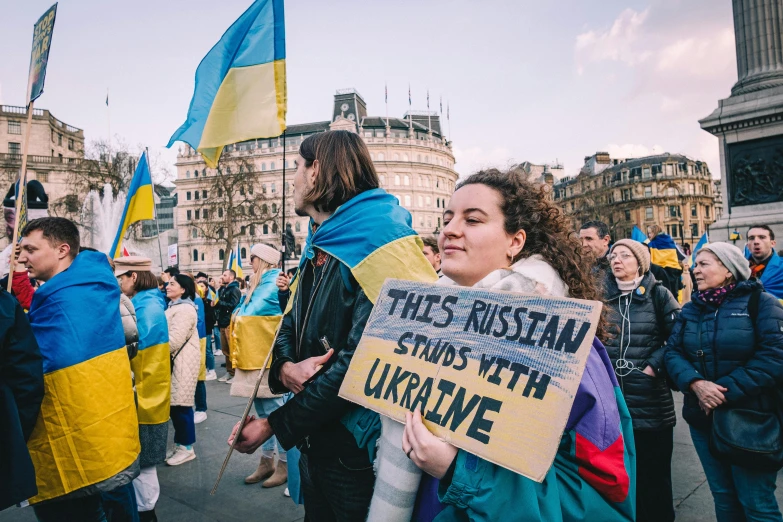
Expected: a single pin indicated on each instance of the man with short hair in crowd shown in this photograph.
(432, 253)
(595, 240)
(765, 264)
(228, 299)
(86, 440)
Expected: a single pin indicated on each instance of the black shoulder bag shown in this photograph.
(180, 349)
(749, 438)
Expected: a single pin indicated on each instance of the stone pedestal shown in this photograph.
(749, 124)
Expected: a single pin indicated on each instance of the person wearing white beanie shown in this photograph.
(252, 332)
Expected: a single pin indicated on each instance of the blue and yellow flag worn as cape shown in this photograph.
(371, 236)
(152, 364)
(201, 327)
(254, 324)
(664, 252)
(87, 430)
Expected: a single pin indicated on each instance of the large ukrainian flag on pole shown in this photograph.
(139, 204)
(240, 89)
(87, 430)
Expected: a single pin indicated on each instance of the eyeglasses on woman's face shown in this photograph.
(623, 256)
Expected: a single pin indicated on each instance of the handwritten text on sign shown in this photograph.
(494, 373)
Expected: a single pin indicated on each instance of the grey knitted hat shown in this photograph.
(640, 251)
(732, 258)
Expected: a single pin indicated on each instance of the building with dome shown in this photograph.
(413, 158)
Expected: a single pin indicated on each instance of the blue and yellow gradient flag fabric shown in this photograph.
(139, 204)
(703, 241)
(254, 324)
(235, 262)
(201, 328)
(152, 364)
(638, 235)
(87, 430)
(664, 252)
(371, 235)
(240, 89)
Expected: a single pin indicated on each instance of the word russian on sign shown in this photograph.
(42, 41)
(494, 373)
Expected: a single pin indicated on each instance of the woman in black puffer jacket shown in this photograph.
(719, 355)
(642, 313)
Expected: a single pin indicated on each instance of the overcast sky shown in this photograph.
(525, 79)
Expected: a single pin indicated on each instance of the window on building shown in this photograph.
(646, 173)
(187, 195)
(627, 215)
(221, 232)
(195, 173)
(382, 179)
(14, 148)
(671, 191)
(381, 156)
(407, 200)
(241, 190)
(657, 169)
(275, 228)
(428, 201)
(368, 134)
(694, 212)
(648, 192)
(572, 206)
(272, 165)
(43, 177)
(421, 200)
(60, 139)
(263, 167)
(195, 254)
(204, 194)
(274, 208)
(196, 195)
(242, 230)
(648, 213)
(205, 213)
(691, 188)
(198, 213)
(189, 215)
(220, 212)
(273, 188)
(220, 192)
(221, 254)
(706, 211)
(194, 233)
(674, 211)
(668, 169)
(243, 253)
(14, 127)
(298, 226)
(694, 230)
(404, 157)
(396, 180)
(228, 170)
(396, 157)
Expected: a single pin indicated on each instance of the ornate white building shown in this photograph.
(413, 159)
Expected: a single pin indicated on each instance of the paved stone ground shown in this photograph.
(185, 489)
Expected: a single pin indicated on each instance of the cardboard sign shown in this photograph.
(173, 255)
(494, 373)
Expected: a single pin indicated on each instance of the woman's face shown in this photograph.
(474, 241)
(624, 264)
(255, 263)
(173, 290)
(709, 271)
(127, 282)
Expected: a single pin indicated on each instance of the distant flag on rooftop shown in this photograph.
(441, 105)
(410, 100)
(107, 98)
(139, 204)
(240, 91)
(386, 93)
(428, 99)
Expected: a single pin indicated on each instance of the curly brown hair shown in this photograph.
(526, 206)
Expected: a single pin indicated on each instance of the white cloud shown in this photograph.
(632, 150)
(471, 159)
(698, 56)
(618, 43)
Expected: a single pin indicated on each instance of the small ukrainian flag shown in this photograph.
(139, 205)
(240, 89)
(235, 262)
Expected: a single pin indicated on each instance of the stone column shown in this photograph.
(758, 29)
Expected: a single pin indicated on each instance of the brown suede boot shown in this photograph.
(265, 469)
(279, 478)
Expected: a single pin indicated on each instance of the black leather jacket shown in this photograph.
(338, 310)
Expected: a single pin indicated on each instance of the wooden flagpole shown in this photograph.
(21, 191)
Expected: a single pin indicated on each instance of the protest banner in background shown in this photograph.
(173, 255)
(42, 41)
(494, 373)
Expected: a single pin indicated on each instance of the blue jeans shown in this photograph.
(264, 407)
(184, 428)
(216, 336)
(740, 494)
(120, 504)
(201, 396)
(84, 509)
(210, 355)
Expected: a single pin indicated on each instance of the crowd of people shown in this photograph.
(86, 404)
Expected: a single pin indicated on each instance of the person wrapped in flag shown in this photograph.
(253, 329)
(359, 236)
(86, 438)
(667, 259)
(151, 372)
(503, 233)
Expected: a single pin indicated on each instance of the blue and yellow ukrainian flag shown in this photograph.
(240, 89)
(703, 241)
(152, 365)
(638, 235)
(139, 204)
(254, 325)
(87, 430)
(371, 235)
(664, 252)
(235, 262)
(201, 327)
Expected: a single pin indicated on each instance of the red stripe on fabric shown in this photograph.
(604, 470)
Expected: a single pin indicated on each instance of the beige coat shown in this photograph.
(183, 319)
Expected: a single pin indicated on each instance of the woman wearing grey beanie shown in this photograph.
(726, 355)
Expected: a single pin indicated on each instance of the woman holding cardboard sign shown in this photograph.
(501, 232)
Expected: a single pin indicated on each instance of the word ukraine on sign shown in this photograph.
(494, 373)
(42, 41)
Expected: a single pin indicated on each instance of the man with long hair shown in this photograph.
(359, 236)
